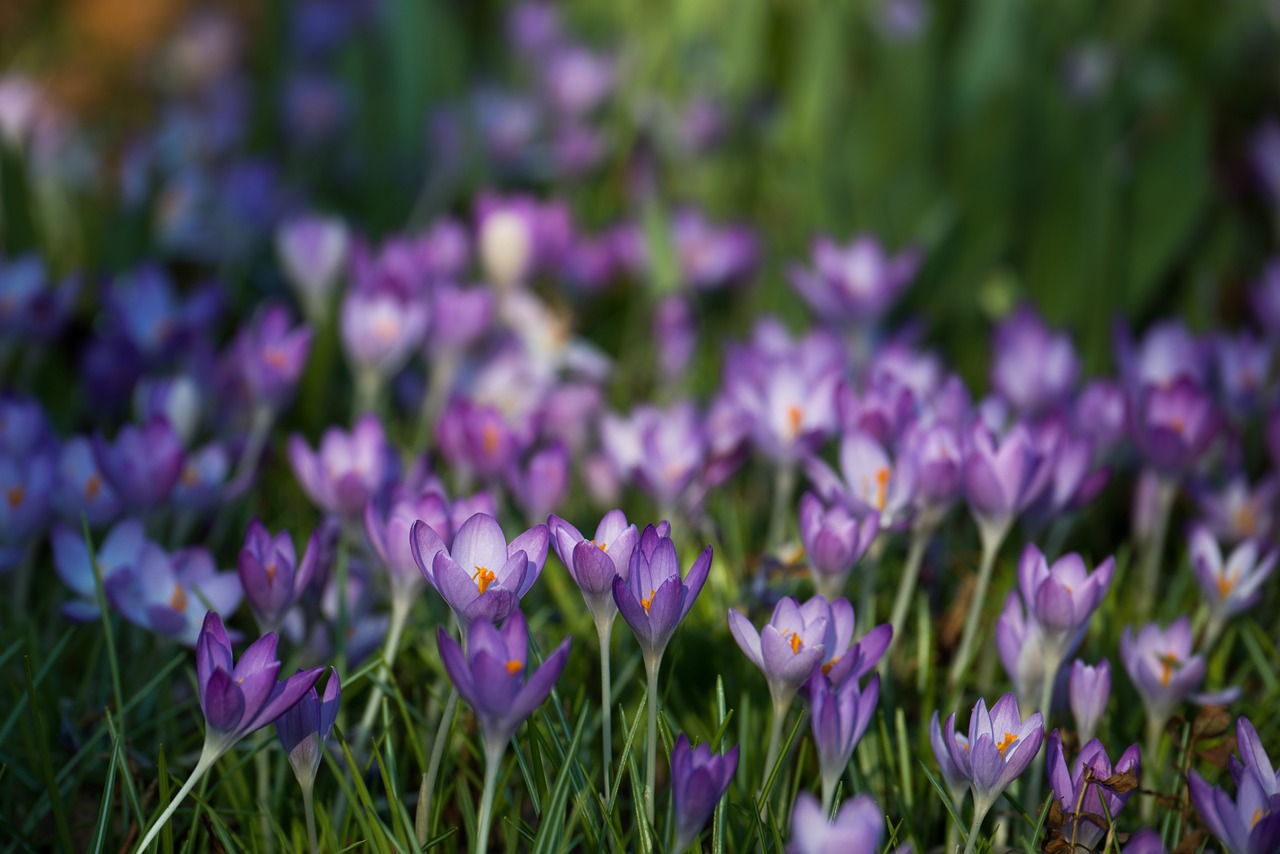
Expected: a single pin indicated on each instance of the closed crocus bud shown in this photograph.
(142, 465)
(594, 563)
(858, 827)
(954, 775)
(1033, 368)
(1173, 425)
(840, 715)
(854, 284)
(80, 488)
(305, 727)
(313, 251)
(787, 648)
(389, 537)
(1088, 690)
(1079, 796)
(1021, 650)
(1062, 596)
(273, 577)
(1161, 664)
(347, 470)
(835, 540)
(699, 779)
(540, 485)
(1001, 746)
(269, 356)
(1233, 585)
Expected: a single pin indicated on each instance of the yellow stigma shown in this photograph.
(514, 667)
(16, 494)
(483, 578)
(489, 440)
(794, 416)
(1225, 585)
(190, 476)
(92, 487)
(604, 547)
(882, 487)
(826, 668)
(1003, 744)
(271, 573)
(1246, 519)
(276, 358)
(794, 640)
(647, 602)
(1167, 663)
(178, 601)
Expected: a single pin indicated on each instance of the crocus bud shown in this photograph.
(313, 252)
(594, 563)
(273, 577)
(1078, 807)
(142, 464)
(1088, 690)
(858, 827)
(305, 727)
(840, 715)
(699, 780)
(835, 541)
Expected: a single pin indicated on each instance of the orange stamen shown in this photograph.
(276, 359)
(882, 487)
(514, 667)
(178, 601)
(795, 644)
(483, 578)
(92, 487)
(489, 440)
(647, 602)
(826, 668)
(1166, 668)
(604, 547)
(16, 494)
(271, 573)
(1004, 743)
(190, 477)
(794, 416)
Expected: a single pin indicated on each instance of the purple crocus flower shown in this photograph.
(712, 256)
(675, 330)
(1264, 298)
(479, 574)
(477, 438)
(142, 465)
(882, 411)
(31, 307)
(870, 481)
(493, 674)
(391, 538)
(381, 328)
(540, 484)
(594, 563)
(835, 540)
(271, 574)
(168, 594)
(79, 487)
(1099, 414)
(840, 715)
(1033, 368)
(349, 469)
(1021, 649)
(699, 779)
(1066, 786)
(1145, 841)
(177, 399)
(653, 598)
(1088, 690)
(858, 827)
(854, 284)
(955, 776)
(1061, 596)
(1161, 664)
(1000, 746)
(1173, 425)
(1167, 353)
(1243, 372)
(459, 317)
(26, 496)
(269, 355)
(1002, 476)
(663, 450)
(313, 252)
(789, 647)
(1236, 512)
(576, 79)
(304, 728)
(1251, 823)
(202, 483)
(1231, 586)
(120, 549)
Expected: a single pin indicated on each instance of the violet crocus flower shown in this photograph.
(594, 563)
(653, 598)
(31, 307)
(271, 574)
(870, 480)
(1161, 664)
(1061, 596)
(1229, 586)
(675, 331)
(313, 252)
(348, 469)
(1243, 372)
(1033, 368)
(1098, 800)
(955, 776)
(835, 540)
(1264, 297)
(1251, 823)
(517, 235)
(237, 698)
(142, 465)
(699, 779)
(1172, 426)
(477, 438)
(269, 355)
(381, 328)
(540, 484)
(79, 487)
(840, 715)
(304, 728)
(479, 574)
(1088, 690)
(26, 497)
(177, 399)
(854, 284)
(168, 593)
(1145, 841)
(1236, 512)
(712, 256)
(1000, 747)
(121, 548)
(663, 450)
(858, 827)
(1002, 476)
(390, 537)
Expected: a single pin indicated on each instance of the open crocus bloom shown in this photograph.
(1229, 586)
(1000, 747)
(481, 575)
(1161, 665)
(1067, 786)
(788, 647)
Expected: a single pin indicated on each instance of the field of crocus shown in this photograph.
(812, 426)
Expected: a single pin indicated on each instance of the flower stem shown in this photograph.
(443, 369)
(247, 465)
(992, 538)
(309, 810)
(208, 756)
(493, 760)
(1155, 729)
(1152, 557)
(783, 484)
(775, 741)
(652, 665)
(1052, 661)
(400, 606)
(437, 753)
(980, 809)
(605, 630)
(920, 537)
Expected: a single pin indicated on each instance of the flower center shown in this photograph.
(178, 601)
(16, 494)
(190, 477)
(92, 487)
(1246, 519)
(826, 668)
(794, 416)
(483, 578)
(1226, 583)
(271, 573)
(795, 641)
(276, 358)
(514, 667)
(489, 440)
(1005, 743)
(647, 602)
(1167, 663)
(386, 328)
(882, 487)
(604, 547)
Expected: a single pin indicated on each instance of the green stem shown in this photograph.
(208, 756)
(920, 537)
(493, 760)
(309, 810)
(443, 369)
(1052, 662)
(652, 665)
(992, 538)
(980, 809)
(259, 431)
(1166, 492)
(400, 606)
(783, 484)
(262, 773)
(1155, 729)
(605, 630)
(775, 741)
(437, 753)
